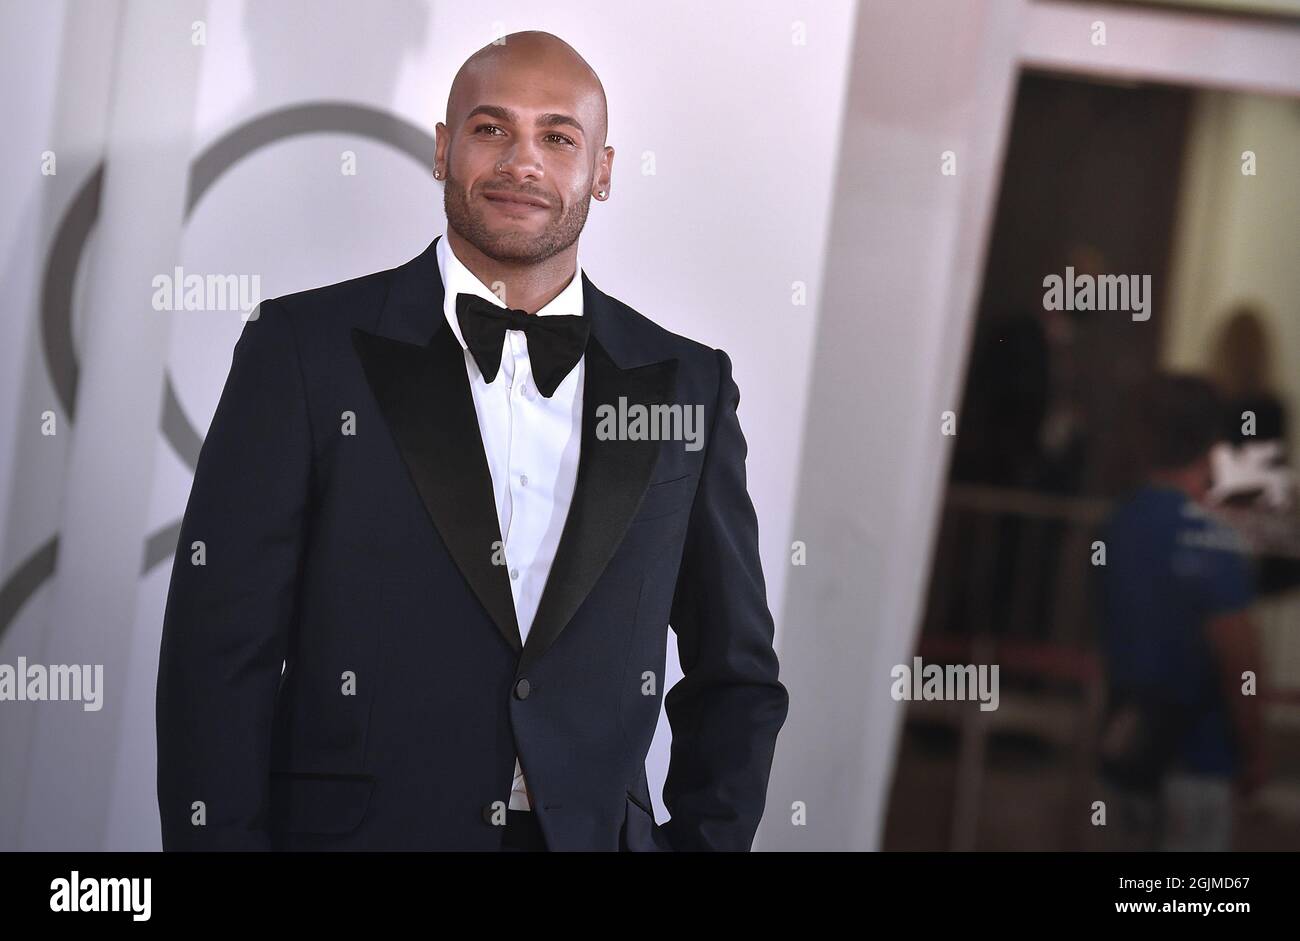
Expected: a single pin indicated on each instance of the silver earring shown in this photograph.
(601, 194)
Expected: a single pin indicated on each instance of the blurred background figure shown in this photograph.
(1182, 724)
(1253, 478)
(1243, 367)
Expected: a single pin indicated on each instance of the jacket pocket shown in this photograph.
(636, 803)
(666, 498)
(304, 802)
(640, 833)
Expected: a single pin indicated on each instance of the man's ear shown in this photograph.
(604, 170)
(442, 139)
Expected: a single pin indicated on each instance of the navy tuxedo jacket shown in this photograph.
(344, 670)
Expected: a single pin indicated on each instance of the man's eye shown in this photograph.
(561, 137)
(488, 127)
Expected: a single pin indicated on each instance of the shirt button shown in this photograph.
(522, 689)
(514, 574)
(523, 480)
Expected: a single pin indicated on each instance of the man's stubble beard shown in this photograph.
(516, 248)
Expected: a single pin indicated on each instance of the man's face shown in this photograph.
(516, 143)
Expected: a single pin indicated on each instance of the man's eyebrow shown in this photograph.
(549, 119)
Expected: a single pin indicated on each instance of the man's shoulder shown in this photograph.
(323, 319)
(355, 300)
(657, 342)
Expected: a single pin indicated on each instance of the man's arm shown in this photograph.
(727, 709)
(1235, 642)
(227, 621)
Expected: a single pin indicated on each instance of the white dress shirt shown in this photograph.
(531, 443)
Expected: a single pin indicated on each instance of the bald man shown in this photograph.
(442, 521)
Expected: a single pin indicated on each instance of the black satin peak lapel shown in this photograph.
(612, 478)
(420, 383)
(424, 394)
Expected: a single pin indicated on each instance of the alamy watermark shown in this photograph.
(77, 894)
(1129, 292)
(660, 422)
(60, 682)
(181, 291)
(954, 682)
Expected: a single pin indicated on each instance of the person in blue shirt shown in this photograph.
(1183, 726)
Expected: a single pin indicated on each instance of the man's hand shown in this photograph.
(1235, 643)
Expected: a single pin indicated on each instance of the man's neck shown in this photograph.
(527, 287)
(1185, 480)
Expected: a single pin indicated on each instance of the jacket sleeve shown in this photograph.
(726, 710)
(231, 599)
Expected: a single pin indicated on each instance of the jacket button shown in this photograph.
(522, 689)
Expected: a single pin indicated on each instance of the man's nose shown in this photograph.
(522, 161)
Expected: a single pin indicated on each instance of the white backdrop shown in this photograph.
(736, 114)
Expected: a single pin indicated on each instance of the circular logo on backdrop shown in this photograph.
(64, 258)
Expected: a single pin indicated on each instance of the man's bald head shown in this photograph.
(523, 149)
(537, 52)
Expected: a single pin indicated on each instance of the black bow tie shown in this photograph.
(555, 342)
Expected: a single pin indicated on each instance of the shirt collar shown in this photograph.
(457, 279)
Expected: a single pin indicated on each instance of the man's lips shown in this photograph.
(515, 201)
